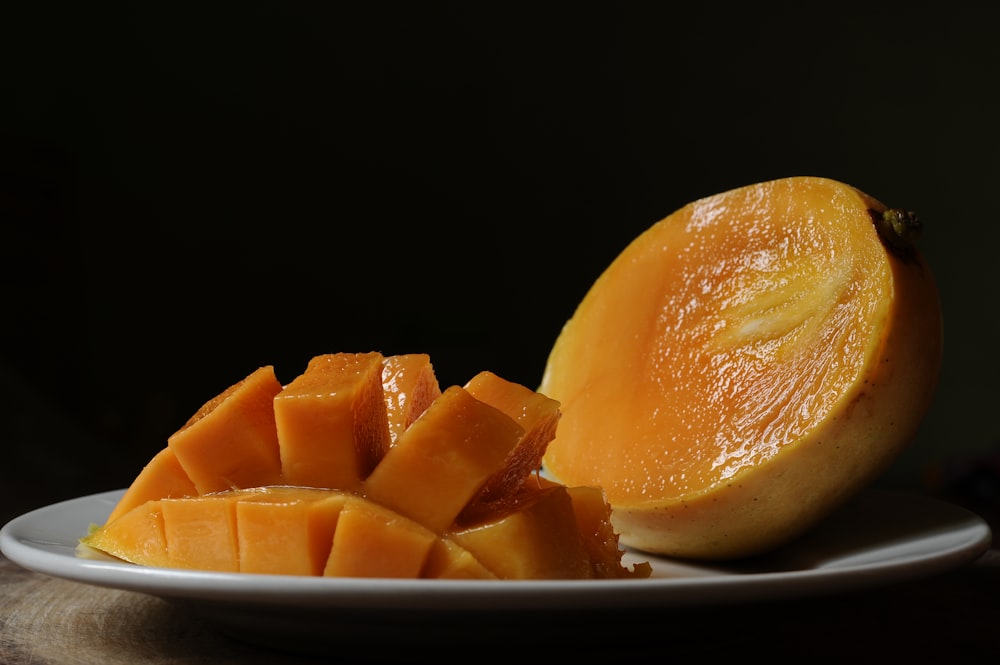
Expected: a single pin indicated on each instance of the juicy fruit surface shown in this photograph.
(696, 312)
(362, 466)
(743, 327)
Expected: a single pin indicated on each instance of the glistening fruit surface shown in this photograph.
(744, 366)
(362, 466)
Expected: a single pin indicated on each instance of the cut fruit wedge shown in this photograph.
(354, 500)
(439, 463)
(331, 421)
(410, 386)
(745, 365)
(232, 440)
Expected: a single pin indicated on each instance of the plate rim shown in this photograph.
(380, 594)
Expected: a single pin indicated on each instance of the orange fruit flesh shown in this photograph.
(163, 477)
(438, 464)
(331, 421)
(736, 333)
(409, 386)
(733, 330)
(231, 441)
(327, 515)
(538, 415)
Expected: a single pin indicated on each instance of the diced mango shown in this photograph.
(331, 421)
(540, 540)
(372, 541)
(410, 385)
(363, 467)
(136, 536)
(232, 440)
(443, 458)
(286, 530)
(593, 518)
(161, 478)
(537, 414)
(450, 561)
(201, 532)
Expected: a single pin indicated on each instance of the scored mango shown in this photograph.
(363, 466)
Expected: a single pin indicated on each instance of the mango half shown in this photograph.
(746, 365)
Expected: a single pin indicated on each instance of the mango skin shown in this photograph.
(770, 503)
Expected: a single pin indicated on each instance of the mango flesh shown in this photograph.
(332, 427)
(743, 367)
(201, 534)
(452, 455)
(556, 545)
(282, 530)
(373, 541)
(286, 531)
(441, 460)
(447, 560)
(537, 414)
(137, 535)
(232, 440)
(409, 386)
(163, 477)
(270, 530)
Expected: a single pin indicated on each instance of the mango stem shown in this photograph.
(898, 229)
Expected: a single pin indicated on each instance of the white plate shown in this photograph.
(877, 538)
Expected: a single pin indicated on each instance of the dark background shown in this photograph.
(187, 194)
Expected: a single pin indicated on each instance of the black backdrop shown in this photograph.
(187, 194)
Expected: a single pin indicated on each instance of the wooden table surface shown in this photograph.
(952, 617)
